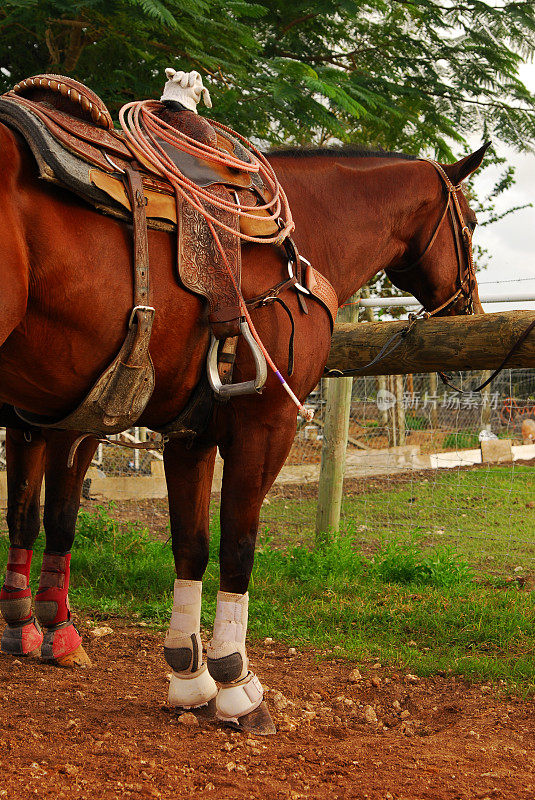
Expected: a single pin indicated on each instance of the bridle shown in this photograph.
(463, 243)
(463, 246)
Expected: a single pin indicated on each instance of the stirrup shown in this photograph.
(227, 390)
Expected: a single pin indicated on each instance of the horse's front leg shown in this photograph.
(253, 459)
(188, 472)
(25, 467)
(62, 643)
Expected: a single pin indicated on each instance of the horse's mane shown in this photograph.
(341, 151)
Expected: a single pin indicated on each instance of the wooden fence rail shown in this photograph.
(442, 343)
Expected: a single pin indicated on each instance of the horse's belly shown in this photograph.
(49, 368)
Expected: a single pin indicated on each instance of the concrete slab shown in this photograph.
(523, 452)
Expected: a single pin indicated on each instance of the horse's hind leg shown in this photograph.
(25, 466)
(62, 643)
(189, 473)
(252, 461)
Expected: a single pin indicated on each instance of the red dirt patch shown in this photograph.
(105, 733)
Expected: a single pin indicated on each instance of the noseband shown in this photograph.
(463, 244)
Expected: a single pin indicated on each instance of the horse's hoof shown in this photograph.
(207, 713)
(78, 658)
(22, 639)
(258, 722)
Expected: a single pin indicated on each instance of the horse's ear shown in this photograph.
(462, 169)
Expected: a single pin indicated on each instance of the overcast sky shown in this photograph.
(512, 240)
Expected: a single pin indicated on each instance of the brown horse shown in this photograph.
(66, 274)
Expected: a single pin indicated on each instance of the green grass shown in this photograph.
(482, 512)
(415, 423)
(373, 593)
(461, 440)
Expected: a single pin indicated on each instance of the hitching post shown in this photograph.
(333, 451)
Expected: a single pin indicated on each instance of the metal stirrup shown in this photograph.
(227, 390)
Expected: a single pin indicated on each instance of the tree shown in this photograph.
(412, 75)
(417, 75)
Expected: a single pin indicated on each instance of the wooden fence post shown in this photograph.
(381, 380)
(400, 409)
(333, 451)
(433, 410)
(485, 401)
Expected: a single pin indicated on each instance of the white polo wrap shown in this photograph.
(191, 690)
(186, 614)
(230, 628)
(185, 88)
(183, 645)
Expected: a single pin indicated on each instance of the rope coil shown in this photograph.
(143, 128)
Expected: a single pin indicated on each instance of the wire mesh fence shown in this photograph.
(425, 461)
(433, 417)
(415, 466)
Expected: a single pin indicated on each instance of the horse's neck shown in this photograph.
(350, 213)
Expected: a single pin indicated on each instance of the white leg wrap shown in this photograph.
(227, 657)
(237, 699)
(182, 645)
(191, 690)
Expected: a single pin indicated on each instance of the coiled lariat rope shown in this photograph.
(143, 128)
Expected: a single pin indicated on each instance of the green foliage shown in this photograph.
(404, 562)
(416, 76)
(370, 593)
(414, 423)
(336, 597)
(117, 567)
(461, 440)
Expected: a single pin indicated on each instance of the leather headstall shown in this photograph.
(463, 245)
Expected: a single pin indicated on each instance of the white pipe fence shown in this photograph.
(411, 302)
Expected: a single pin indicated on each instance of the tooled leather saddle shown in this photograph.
(70, 132)
(71, 135)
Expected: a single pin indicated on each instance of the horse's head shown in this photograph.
(437, 265)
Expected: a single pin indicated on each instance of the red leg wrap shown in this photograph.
(19, 561)
(52, 598)
(15, 597)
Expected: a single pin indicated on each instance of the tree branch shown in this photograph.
(298, 21)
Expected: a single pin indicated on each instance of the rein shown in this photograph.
(447, 381)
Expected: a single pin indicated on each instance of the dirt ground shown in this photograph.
(106, 732)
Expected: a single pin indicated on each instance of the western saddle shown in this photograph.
(65, 123)
(71, 135)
